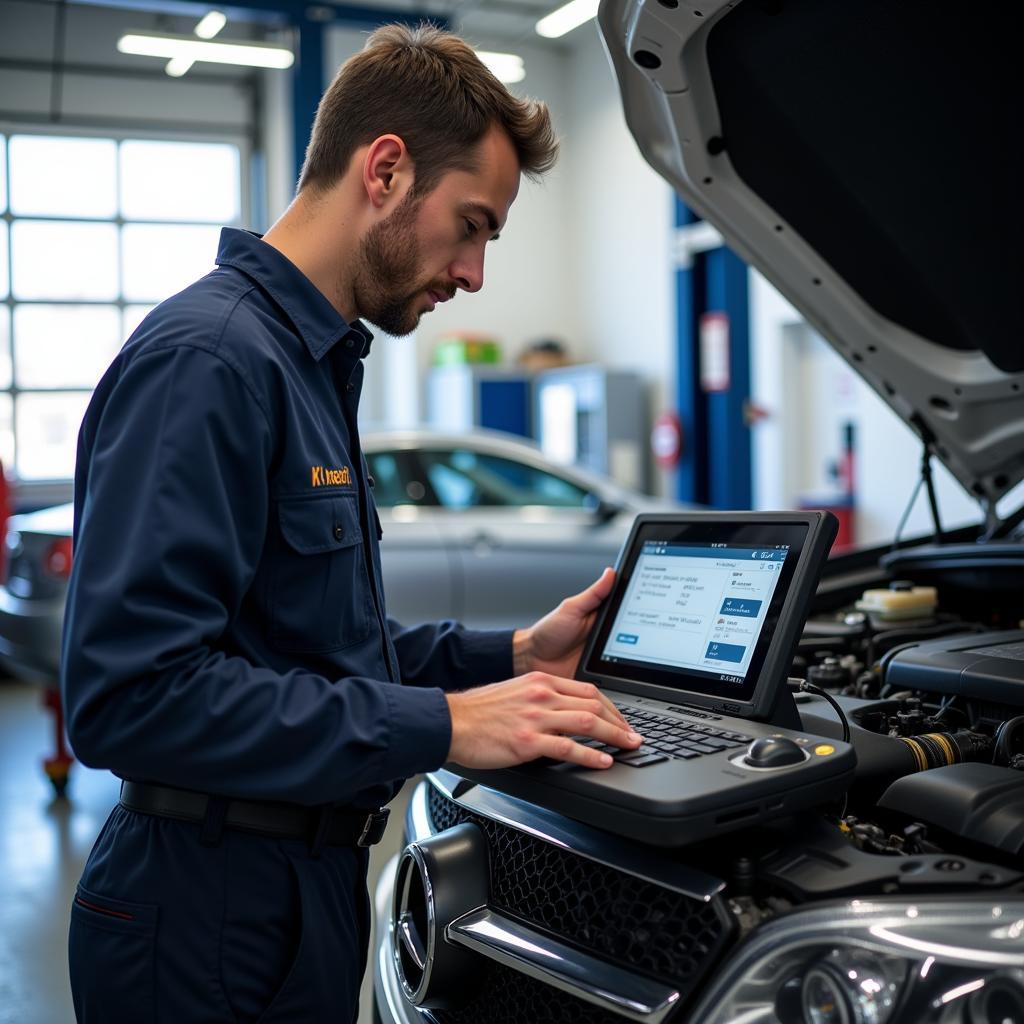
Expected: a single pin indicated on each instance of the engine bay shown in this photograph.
(931, 681)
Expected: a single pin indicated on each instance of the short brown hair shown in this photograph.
(429, 88)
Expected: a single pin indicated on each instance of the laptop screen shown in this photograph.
(696, 605)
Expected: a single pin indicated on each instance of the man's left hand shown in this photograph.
(554, 643)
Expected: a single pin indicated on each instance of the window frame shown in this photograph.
(36, 492)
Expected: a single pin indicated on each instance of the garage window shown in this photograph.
(94, 232)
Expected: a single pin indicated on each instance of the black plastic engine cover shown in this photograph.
(983, 803)
(826, 864)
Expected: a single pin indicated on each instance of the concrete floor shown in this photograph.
(44, 843)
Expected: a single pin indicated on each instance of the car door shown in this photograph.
(418, 564)
(525, 537)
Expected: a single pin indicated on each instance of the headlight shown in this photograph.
(942, 962)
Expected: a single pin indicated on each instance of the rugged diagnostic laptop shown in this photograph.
(694, 645)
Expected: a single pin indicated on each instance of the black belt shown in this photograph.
(330, 826)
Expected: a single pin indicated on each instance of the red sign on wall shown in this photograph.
(667, 440)
(714, 352)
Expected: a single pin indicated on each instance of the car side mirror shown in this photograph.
(602, 509)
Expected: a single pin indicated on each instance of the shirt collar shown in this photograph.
(318, 323)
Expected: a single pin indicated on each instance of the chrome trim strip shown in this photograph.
(538, 956)
(391, 1003)
(417, 816)
(583, 840)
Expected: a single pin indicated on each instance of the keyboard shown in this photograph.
(666, 738)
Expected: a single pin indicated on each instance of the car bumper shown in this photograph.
(30, 637)
(530, 960)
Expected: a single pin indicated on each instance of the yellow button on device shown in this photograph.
(822, 749)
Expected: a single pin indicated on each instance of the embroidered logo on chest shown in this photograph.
(325, 477)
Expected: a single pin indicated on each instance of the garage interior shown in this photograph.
(617, 335)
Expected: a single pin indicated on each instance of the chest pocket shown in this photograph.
(320, 598)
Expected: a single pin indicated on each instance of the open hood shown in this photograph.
(866, 158)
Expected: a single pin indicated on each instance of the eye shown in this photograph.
(471, 227)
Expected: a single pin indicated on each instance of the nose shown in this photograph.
(468, 271)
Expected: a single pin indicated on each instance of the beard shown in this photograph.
(385, 288)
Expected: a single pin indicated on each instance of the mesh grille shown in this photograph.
(617, 916)
(506, 997)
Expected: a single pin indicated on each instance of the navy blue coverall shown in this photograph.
(226, 633)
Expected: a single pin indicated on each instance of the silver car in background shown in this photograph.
(483, 528)
(477, 527)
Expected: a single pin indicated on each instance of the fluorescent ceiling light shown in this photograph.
(211, 25)
(506, 67)
(566, 18)
(177, 66)
(207, 28)
(255, 55)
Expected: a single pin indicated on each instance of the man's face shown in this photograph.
(433, 245)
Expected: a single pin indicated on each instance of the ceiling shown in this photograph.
(82, 32)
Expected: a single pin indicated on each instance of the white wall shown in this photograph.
(529, 272)
(620, 225)
(621, 228)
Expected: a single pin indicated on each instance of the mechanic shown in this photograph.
(227, 650)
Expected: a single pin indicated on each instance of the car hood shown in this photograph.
(866, 159)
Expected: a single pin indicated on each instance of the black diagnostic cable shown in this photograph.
(802, 686)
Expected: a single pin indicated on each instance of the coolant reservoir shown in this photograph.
(902, 600)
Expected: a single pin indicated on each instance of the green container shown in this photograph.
(456, 351)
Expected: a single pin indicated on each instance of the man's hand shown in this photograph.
(532, 716)
(554, 644)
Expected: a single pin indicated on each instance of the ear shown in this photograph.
(387, 170)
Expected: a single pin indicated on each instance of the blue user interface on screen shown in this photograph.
(696, 607)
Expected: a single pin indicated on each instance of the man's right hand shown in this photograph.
(533, 716)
